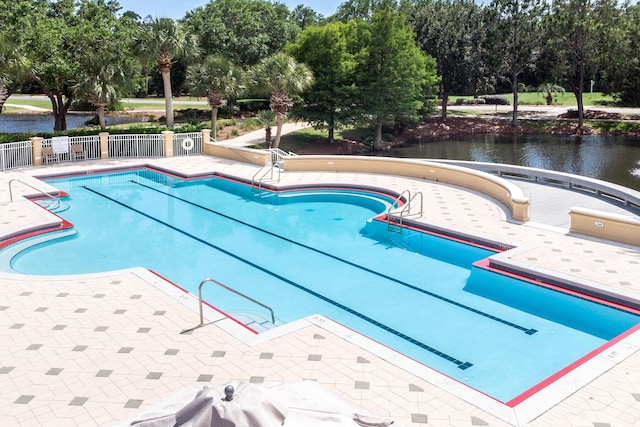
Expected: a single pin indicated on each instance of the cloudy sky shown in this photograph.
(177, 9)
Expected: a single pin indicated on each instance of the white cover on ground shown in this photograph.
(301, 404)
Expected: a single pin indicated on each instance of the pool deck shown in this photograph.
(100, 349)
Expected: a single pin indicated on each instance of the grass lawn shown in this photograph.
(40, 103)
(300, 139)
(134, 104)
(566, 99)
(297, 140)
(143, 105)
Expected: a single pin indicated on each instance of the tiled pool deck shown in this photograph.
(95, 350)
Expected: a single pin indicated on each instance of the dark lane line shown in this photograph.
(461, 364)
(528, 331)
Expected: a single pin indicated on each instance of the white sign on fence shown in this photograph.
(60, 144)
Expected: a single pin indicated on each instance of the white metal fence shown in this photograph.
(15, 155)
(186, 144)
(77, 148)
(137, 145)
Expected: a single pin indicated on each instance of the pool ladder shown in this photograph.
(399, 213)
(55, 199)
(259, 177)
(215, 282)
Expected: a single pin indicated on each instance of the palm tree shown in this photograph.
(280, 76)
(165, 40)
(100, 85)
(548, 90)
(267, 119)
(217, 79)
(13, 67)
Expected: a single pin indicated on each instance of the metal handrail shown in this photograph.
(406, 208)
(266, 169)
(215, 282)
(626, 196)
(55, 199)
(277, 154)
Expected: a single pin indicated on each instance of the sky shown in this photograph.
(177, 9)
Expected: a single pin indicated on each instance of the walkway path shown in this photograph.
(257, 137)
(538, 111)
(27, 107)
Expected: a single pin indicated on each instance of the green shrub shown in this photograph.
(192, 114)
(475, 101)
(571, 113)
(253, 105)
(15, 137)
(470, 101)
(250, 124)
(228, 111)
(495, 99)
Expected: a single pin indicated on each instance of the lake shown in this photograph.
(609, 158)
(43, 123)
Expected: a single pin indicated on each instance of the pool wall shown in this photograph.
(507, 193)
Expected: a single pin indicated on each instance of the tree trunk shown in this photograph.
(168, 97)
(214, 122)
(60, 108)
(4, 95)
(578, 91)
(101, 119)
(267, 136)
(58, 105)
(279, 123)
(445, 102)
(378, 141)
(579, 100)
(60, 123)
(514, 86)
(332, 125)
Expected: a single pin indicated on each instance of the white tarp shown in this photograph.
(60, 144)
(302, 404)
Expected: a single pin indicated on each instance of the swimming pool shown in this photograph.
(322, 251)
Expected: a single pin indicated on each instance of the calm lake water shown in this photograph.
(43, 123)
(609, 158)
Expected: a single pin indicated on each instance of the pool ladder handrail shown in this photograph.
(263, 173)
(406, 208)
(215, 282)
(44, 193)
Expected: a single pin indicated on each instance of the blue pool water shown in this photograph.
(320, 251)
